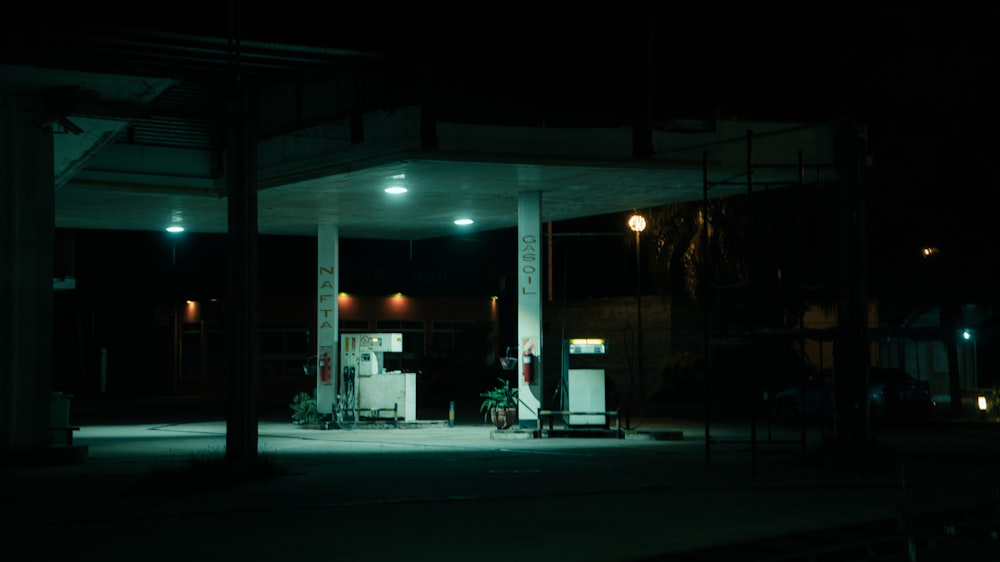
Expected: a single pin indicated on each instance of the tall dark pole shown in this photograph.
(851, 346)
(703, 283)
(242, 330)
(637, 223)
(638, 325)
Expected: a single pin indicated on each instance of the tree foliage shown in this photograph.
(678, 234)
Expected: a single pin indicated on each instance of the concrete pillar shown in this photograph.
(327, 317)
(27, 238)
(529, 304)
(242, 311)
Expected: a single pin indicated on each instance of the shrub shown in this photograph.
(304, 408)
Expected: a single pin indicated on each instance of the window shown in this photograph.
(452, 337)
(353, 325)
(284, 348)
(202, 350)
(413, 344)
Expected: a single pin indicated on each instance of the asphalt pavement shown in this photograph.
(430, 490)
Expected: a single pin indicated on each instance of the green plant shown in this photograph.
(304, 408)
(498, 398)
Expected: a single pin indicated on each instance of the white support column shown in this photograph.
(327, 317)
(529, 304)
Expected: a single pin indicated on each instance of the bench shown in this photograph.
(69, 433)
(378, 414)
(542, 414)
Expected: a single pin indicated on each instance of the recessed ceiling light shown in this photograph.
(463, 222)
(395, 190)
(175, 229)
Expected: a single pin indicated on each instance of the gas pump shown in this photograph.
(584, 387)
(371, 391)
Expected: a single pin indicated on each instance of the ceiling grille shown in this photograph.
(185, 116)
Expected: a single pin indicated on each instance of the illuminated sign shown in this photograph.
(587, 346)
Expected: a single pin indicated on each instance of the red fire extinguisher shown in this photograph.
(529, 366)
(324, 368)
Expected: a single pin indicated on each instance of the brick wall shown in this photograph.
(615, 319)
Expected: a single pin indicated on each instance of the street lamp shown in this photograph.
(969, 335)
(638, 223)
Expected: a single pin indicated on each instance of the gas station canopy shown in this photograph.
(140, 143)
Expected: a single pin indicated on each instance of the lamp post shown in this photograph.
(968, 335)
(982, 403)
(638, 223)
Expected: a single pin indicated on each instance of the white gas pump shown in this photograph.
(585, 387)
(369, 390)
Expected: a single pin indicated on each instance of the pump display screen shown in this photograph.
(589, 346)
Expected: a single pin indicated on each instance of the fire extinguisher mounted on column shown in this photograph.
(528, 366)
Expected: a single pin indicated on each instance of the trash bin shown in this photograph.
(59, 417)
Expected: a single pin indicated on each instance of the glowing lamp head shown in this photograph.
(637, 223)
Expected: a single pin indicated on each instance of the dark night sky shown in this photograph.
(698, 59)
(912, 67)
(909, 70)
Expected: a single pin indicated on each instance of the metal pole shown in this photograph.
(104, 370)
(975, 364)
(705, 318)
(800, 300)
(755, 382)
(638, 308)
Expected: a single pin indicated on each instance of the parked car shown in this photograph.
(893, 395)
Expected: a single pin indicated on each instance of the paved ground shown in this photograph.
(430, 491)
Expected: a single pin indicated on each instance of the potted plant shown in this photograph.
(500, 405)
(304, 410)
